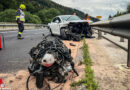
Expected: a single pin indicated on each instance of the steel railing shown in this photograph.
(119, 26)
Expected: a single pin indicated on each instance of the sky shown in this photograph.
(95, 8)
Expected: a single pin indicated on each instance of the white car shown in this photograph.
(69, 27)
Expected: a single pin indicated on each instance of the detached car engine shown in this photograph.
(50, 58)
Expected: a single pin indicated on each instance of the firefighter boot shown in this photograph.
(19, 36)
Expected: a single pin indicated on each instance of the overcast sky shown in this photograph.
(95, 8)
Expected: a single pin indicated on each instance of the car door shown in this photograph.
(55, 26)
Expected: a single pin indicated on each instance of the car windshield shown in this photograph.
(70, 18)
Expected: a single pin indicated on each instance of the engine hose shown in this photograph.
(27, 82)
(75, 72)
(72, 64)
(56, 87)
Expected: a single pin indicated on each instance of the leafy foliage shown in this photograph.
(128, 9)
(47, 15)
(35, 7)
(32, 18)
(8, 15)
(121, 13)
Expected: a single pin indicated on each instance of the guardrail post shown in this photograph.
(128, 59)
(3, 40)
(105, 33)
(99, 35)
(121, 39)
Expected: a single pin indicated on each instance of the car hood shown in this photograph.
(75, 21)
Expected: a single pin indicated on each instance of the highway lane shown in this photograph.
(15, 55)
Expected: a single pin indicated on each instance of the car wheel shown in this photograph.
(63, 34)
(90, 30)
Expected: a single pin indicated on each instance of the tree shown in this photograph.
(128, 8)
(37, 19)
(110, 16)
(8, 16)
(33, 6)
(1, 7)
(32, 18)
(47, 15)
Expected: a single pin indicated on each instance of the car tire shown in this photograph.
(90, 30)
(63, 34)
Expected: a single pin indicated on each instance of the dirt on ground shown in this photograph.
(17, 80)
(107, 75)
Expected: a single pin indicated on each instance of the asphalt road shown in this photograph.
(15, 54)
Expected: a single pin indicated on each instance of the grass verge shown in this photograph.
(88, 81)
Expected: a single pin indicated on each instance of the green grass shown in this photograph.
(88, 81)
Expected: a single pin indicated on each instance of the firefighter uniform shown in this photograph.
(20, 18)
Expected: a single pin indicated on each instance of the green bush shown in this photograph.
(47, 15)
(32, 18)
(8, 15)
(37, 19)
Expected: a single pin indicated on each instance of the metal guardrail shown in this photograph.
(119, 26)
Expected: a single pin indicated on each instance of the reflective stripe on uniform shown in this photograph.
(20, 32)
(17, 16)
(22, 19)
(22, 16)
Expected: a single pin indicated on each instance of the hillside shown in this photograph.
(43, 10)
(121, 13)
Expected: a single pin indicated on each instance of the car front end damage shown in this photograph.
(77, 30)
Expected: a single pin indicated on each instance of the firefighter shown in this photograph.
(74, 14)
(89, 30)
(20, 18)
(87, 18)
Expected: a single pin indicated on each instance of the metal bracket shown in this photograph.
(121, 39)
(99, 34)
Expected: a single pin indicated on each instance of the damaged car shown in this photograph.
(70, 27)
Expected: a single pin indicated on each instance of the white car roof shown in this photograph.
(64, 15)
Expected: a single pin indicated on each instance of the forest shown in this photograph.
(37, 11)
(121, 13)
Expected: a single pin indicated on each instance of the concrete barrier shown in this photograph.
(9, 27)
